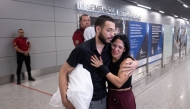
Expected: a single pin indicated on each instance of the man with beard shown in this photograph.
(99, 46)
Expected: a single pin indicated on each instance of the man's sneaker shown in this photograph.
(31, 79)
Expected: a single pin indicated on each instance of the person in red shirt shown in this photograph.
(78, 37)
(22, 47)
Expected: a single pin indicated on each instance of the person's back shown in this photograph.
(89, 33)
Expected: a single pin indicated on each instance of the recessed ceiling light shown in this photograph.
(185, 5)
(161, 11)
(185, 19)
(144, 6)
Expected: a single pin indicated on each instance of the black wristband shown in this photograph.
(103, 69)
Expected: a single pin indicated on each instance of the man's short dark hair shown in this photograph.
(80, 19)
(20, 29)
(100, 21)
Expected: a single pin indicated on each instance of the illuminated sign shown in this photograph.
(106, 10)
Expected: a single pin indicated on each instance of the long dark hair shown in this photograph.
(126, 43)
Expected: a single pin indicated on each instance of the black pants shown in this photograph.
(20, 58)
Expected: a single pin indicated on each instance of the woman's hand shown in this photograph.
(96, 62)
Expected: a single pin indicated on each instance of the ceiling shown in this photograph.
(171, 7)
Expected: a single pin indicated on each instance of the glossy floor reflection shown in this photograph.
(167, 88)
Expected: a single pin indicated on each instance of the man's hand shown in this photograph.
(68, 105)
(26, 53)
(129, 65)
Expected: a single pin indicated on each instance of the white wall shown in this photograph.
(49, 25)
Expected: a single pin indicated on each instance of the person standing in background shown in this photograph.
(22, 47)
(89, 33)
(78, 37)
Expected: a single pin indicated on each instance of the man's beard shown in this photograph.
(101, 38)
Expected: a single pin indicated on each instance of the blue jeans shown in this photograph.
(101, 104)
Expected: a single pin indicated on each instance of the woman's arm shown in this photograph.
(123, 76)
(118, 81)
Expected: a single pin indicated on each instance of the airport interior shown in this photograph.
(158, 31)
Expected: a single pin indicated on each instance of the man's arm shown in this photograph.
(63, 84)
(29, 48)
(77, 38)
(18, 50)
(119, 80)
(16, 46)
(27, 52)
(129, 65)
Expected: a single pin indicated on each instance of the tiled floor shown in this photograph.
(167, 88)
